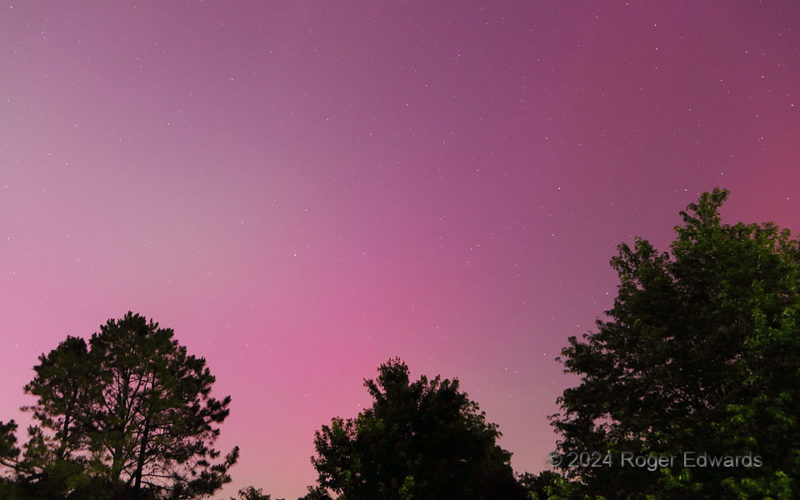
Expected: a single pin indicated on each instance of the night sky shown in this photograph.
(302, 190)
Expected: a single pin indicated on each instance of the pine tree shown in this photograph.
(133, 409)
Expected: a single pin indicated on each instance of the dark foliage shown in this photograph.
(421, 440)
(700, 354)
(251, 493)
(127, 416)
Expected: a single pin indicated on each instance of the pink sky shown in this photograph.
(302, 190)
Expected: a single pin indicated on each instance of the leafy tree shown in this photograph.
(700, 354)
(128, 416)
(421, 440)
(547, 485)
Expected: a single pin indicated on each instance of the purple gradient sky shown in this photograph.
(303, 190)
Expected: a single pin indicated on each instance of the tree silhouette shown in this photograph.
(700, 354)
(130, 415)
(421, 440)
(316, 492)
(61, 385)
(8, 444)
(251, 493)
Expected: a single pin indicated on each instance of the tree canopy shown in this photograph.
(421, 440)
(129, 415)
(251, 493)
(8, 444)
(699, 355)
